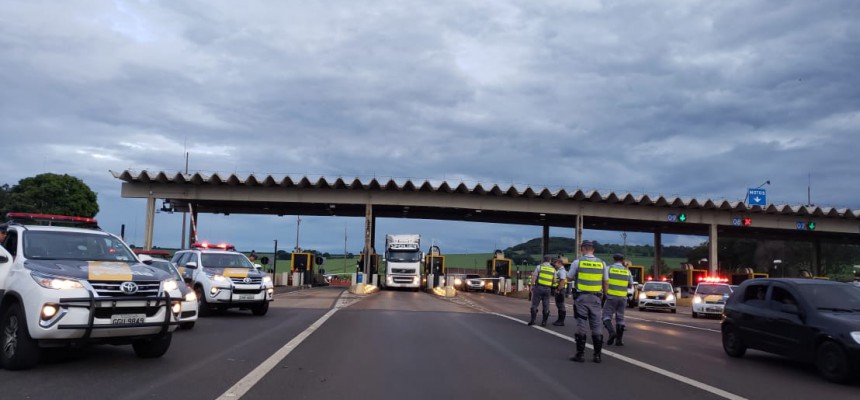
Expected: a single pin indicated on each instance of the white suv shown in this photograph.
(224, 278)
(66, 286)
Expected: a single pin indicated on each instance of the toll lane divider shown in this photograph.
(669, 374)
(245, 384)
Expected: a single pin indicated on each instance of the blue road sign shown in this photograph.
(671, 217)
(757, 197)
(801, 225)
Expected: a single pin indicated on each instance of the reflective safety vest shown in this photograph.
(545, 275)
(589, 276)
(619, 278)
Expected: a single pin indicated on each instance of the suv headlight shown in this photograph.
(53, 282)
(267, 279)
(191, 296)
(170, 285)
(220, 278)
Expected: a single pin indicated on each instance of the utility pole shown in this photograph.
(344, 247)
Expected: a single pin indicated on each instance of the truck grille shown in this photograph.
(111, 288)
(402, 271)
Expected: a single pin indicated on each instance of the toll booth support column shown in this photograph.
(658, 255)
(150, 221)
(368, 236)
(816, 259)
(713, 246)
(544, 241)
(579, 223)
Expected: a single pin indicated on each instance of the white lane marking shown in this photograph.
(245, 384)
(680, 378)
(672, 323)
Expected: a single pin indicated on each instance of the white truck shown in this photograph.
(403, 261)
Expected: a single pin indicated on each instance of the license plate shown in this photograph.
(246, 297)
(120, 319)
(713, 309)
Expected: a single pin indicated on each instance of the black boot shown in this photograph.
(608, 324)
(620, 335)
(580, 349)
(597, 341)
(545, 317)
(561, 315)
(534, 315)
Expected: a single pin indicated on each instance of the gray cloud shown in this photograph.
(694, 98)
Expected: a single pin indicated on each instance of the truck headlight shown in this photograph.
(856, 336)
(170, 285)
(458, 281)
(53, 282)
(697, 300)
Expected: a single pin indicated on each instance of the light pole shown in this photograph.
(776, 264)
(298, 223)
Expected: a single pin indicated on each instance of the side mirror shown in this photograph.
(191, 265)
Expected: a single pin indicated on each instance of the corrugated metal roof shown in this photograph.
(512, 190)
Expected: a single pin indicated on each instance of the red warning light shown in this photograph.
(747, 221)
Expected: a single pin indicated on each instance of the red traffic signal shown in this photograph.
(747, 221)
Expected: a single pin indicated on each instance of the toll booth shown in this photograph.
(742, 274)
(688, 277)
(374, 264)
(434, 264)
(637, 272)
(304, 264)
(499, 267)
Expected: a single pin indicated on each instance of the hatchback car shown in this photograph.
(811, 320)
(657, 296)
(188, 316)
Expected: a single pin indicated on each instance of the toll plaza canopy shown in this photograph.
(507, 204)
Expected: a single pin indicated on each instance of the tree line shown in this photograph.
(49, 194)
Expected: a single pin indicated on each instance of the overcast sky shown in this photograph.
(693, 98)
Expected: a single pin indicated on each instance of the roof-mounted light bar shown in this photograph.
(51, 219)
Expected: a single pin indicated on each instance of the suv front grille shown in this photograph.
(251, 281)
(111, 288)
(107, 312)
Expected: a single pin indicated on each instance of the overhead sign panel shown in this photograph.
(757, 197)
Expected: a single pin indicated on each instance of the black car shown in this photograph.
(811, 320)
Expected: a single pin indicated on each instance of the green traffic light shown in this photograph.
(811, 226)
(682, 217)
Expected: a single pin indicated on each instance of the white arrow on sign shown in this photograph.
(757, 199)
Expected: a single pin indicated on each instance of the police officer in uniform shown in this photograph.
(618, 279)
(589, 277)
(558, 290)
(543, 277)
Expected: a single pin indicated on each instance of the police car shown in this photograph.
(710, 296)
(64, 282)
(657, 296)
(223, 278)
(188, 317)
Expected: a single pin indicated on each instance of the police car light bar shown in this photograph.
(207, 245)
(713, 279)
(51, 219)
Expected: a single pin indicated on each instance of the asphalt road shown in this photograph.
(326, 344)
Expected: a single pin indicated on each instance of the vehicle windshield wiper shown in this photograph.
(837, 309)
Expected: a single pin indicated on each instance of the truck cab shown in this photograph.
(403, 261)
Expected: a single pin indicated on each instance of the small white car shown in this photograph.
(188, 316)
(710, 298)
(657, 296)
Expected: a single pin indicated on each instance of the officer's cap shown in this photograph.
(618, 257)
(587, 243)
(548, 257)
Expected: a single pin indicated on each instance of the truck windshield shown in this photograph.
(404, 255)
(225, 260)
(56, 245)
